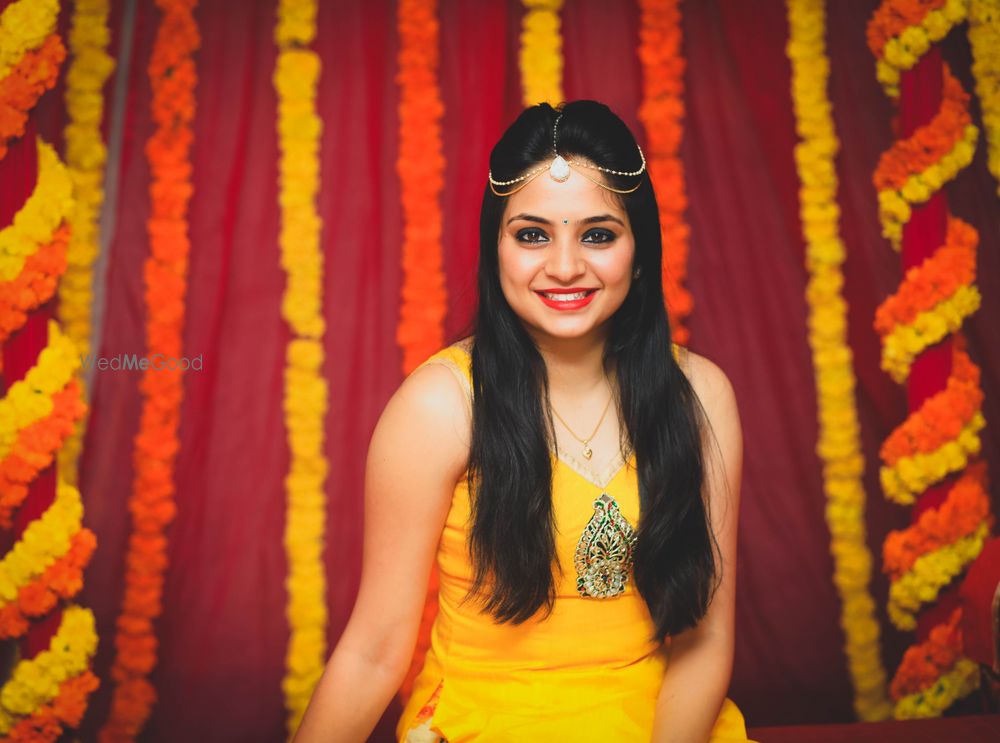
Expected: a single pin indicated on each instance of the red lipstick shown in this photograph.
(567, 304)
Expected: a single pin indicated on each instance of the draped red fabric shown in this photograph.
(223, 629)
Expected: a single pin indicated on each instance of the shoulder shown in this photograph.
(713, 388)
(703, 373)
(429, 406)
(436, 391)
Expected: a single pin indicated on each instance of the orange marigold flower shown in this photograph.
(942, 415)
(35, 449)
(892, 18)
(930, 142)
(923, 664)
(21, 88)
(964, 509)
(951, 266)
(35, 284)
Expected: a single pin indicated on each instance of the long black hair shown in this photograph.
(511, 539)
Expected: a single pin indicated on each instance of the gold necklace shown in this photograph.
(587, 451)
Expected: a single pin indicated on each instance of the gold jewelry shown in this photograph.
(587, 451)
(559, 171)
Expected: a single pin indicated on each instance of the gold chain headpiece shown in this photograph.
(559, 171)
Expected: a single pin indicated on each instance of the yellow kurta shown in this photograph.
(587, 672)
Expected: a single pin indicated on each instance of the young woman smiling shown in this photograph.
(574, 474)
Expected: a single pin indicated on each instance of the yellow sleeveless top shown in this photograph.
(588, 671)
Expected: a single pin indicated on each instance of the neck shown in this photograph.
(575, 365)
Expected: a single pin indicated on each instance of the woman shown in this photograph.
(574, 474)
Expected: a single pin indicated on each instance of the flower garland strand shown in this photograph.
(89, 68)
(34, 448)
(47, 692)
(984, 38)
(173, 77)
(38, 682)
(540, 57)
(916, 167)
(934, 674)
(296, 78)
(35, 284)
(423, 300)
(24, 84)
(24, 26)
(63, 579)
(965, 508)
(839, 446)
(36, 222)
(45, 724)
(662, 115)
(941, 437)
(46, 540)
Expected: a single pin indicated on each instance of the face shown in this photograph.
(565, 252)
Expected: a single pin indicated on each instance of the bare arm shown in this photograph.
(701, 659)
(418, 452)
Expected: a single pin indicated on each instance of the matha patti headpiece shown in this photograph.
(559, 171)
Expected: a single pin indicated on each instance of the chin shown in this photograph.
(565, 331)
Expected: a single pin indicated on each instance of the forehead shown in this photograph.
(544, 196)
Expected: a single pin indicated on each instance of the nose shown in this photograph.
(565, 260)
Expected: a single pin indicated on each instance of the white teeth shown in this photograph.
(565, 297)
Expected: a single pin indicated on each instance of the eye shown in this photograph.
(601, 236)
(530, 235)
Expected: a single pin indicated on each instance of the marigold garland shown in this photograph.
(984, 38)
(934, 280)
(891, 19)
(24, 26)
(929, 143)
(173, 77)
(45, 725)
(62, 579)
(38, 681)
(20, 90)
(905, 342)
(89, 68)
(296, 78)
(44, 541)
(931, 572)
(540, 56)
(34, 449)
(942, 416)
(839, 445)
(923, 664)
(662, 115)
(959, 682)
(908, 476)
(895, 204)
(966, 506)
(34, 285)
(421, 173)
(29, 400)
(36, 222)
(901, 32)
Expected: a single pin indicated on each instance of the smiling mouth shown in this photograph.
(562, 297)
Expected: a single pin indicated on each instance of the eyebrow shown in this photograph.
(587, 220)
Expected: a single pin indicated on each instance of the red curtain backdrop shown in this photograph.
(223, 629)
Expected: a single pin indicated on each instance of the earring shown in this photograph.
(637, 273)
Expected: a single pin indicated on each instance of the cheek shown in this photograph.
(516, 266)
(616, 267)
